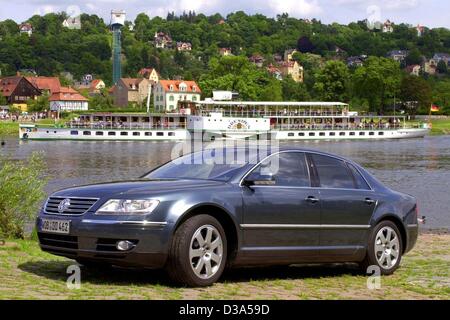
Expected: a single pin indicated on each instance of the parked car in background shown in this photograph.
(195, 216)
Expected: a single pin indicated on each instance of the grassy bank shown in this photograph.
(9, 128)
(441, 127)
(28, 273)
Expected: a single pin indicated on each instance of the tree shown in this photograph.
(441, 95)
(304, 45)
(442, 67)
(378, 81)
(414, 57)
(40, 104)
(294, 91)
(332, 82)
(416, 89)
(3, 100)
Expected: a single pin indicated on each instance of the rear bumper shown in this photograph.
(412, 233)
(95, 239)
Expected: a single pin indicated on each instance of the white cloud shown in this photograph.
(300, 8)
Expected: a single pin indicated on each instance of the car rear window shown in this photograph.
(333, 173)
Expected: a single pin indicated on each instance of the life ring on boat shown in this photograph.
(25, 136)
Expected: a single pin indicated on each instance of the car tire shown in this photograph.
(385, 248)
(198, 253)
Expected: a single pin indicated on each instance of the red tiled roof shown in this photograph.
(176, 85)
(95, 83)
(67, 94)
(130, 82)
(46, 83)
(8, 85)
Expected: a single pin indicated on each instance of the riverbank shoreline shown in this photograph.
(29, 273)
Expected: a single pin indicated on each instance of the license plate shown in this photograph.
(55, 226)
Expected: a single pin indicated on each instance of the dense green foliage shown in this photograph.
(21, 192)
(53, 49)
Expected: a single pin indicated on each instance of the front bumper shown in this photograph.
(93, 238)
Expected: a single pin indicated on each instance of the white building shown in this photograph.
(167, 93)
(68, 99)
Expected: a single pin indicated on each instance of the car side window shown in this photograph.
(359, 179)
(286, 169)
(332, 173)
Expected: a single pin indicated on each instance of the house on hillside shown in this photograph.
(293, 69)
(438, 57)
(420, 30)
(68, 99)
(131, 90)
(388, 27)
(96, 87)
(414, 70)
(167, 93)
(398, 55)
(47, 85)
(289, 54)
(257, 59)
(162, 40)
(225, 52)
(430, 67)
(18, 90)
(26, 28)
(275, 72)
(150, 74)
(356, 61)
(73, 23)
(184, 46)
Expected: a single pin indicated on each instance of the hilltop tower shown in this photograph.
(117, 22)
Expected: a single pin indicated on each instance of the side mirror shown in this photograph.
(258, 180)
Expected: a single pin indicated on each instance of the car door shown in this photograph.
(347, 204)
(281, 214)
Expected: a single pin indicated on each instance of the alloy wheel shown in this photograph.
(387, 247)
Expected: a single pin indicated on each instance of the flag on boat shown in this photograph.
(435, 108)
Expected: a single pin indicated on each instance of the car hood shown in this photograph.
(133, 189)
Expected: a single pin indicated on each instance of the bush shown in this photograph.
(21, 192)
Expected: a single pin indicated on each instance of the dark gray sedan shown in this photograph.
(218, 208)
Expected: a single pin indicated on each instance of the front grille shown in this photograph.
(59, 241)
(76, 206)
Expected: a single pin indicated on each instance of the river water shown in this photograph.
(420, 167)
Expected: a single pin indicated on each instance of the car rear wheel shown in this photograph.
(198, 253)
(385, 248)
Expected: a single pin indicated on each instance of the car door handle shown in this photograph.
(370, 201)
(312, 199)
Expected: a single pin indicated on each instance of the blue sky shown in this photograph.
(432, 13)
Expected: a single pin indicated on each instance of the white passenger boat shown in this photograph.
(211, 120)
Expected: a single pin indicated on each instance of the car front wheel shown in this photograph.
(198, 253)
(384, 248)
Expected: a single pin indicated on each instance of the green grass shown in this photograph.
(28, 273)
(441, 127)
(8, 128)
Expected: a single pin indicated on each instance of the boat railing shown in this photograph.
(265, 114)
(286, 127)
(125, 126)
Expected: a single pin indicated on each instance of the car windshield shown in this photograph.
(212, 164)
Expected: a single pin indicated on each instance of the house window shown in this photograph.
(194, 88)
(194, 98)
(171, 98)
(171, 87)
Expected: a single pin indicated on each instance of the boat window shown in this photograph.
(74, 133)
(301, 134)
(352, 134)
(322, 134)
(86, 133)
(359, 180)
(171, 134)
(362, 133)
(99, 133)
(136, 134)
(312, 134)
(342, 134)
(371, 133)
(148, 134)
(287, 169)
(124, 133)
(332, 134)
(332, 173)
(290, 134)
(381, 133)
(160, 134)
(111, 133)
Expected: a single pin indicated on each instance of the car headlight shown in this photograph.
(116, 206)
